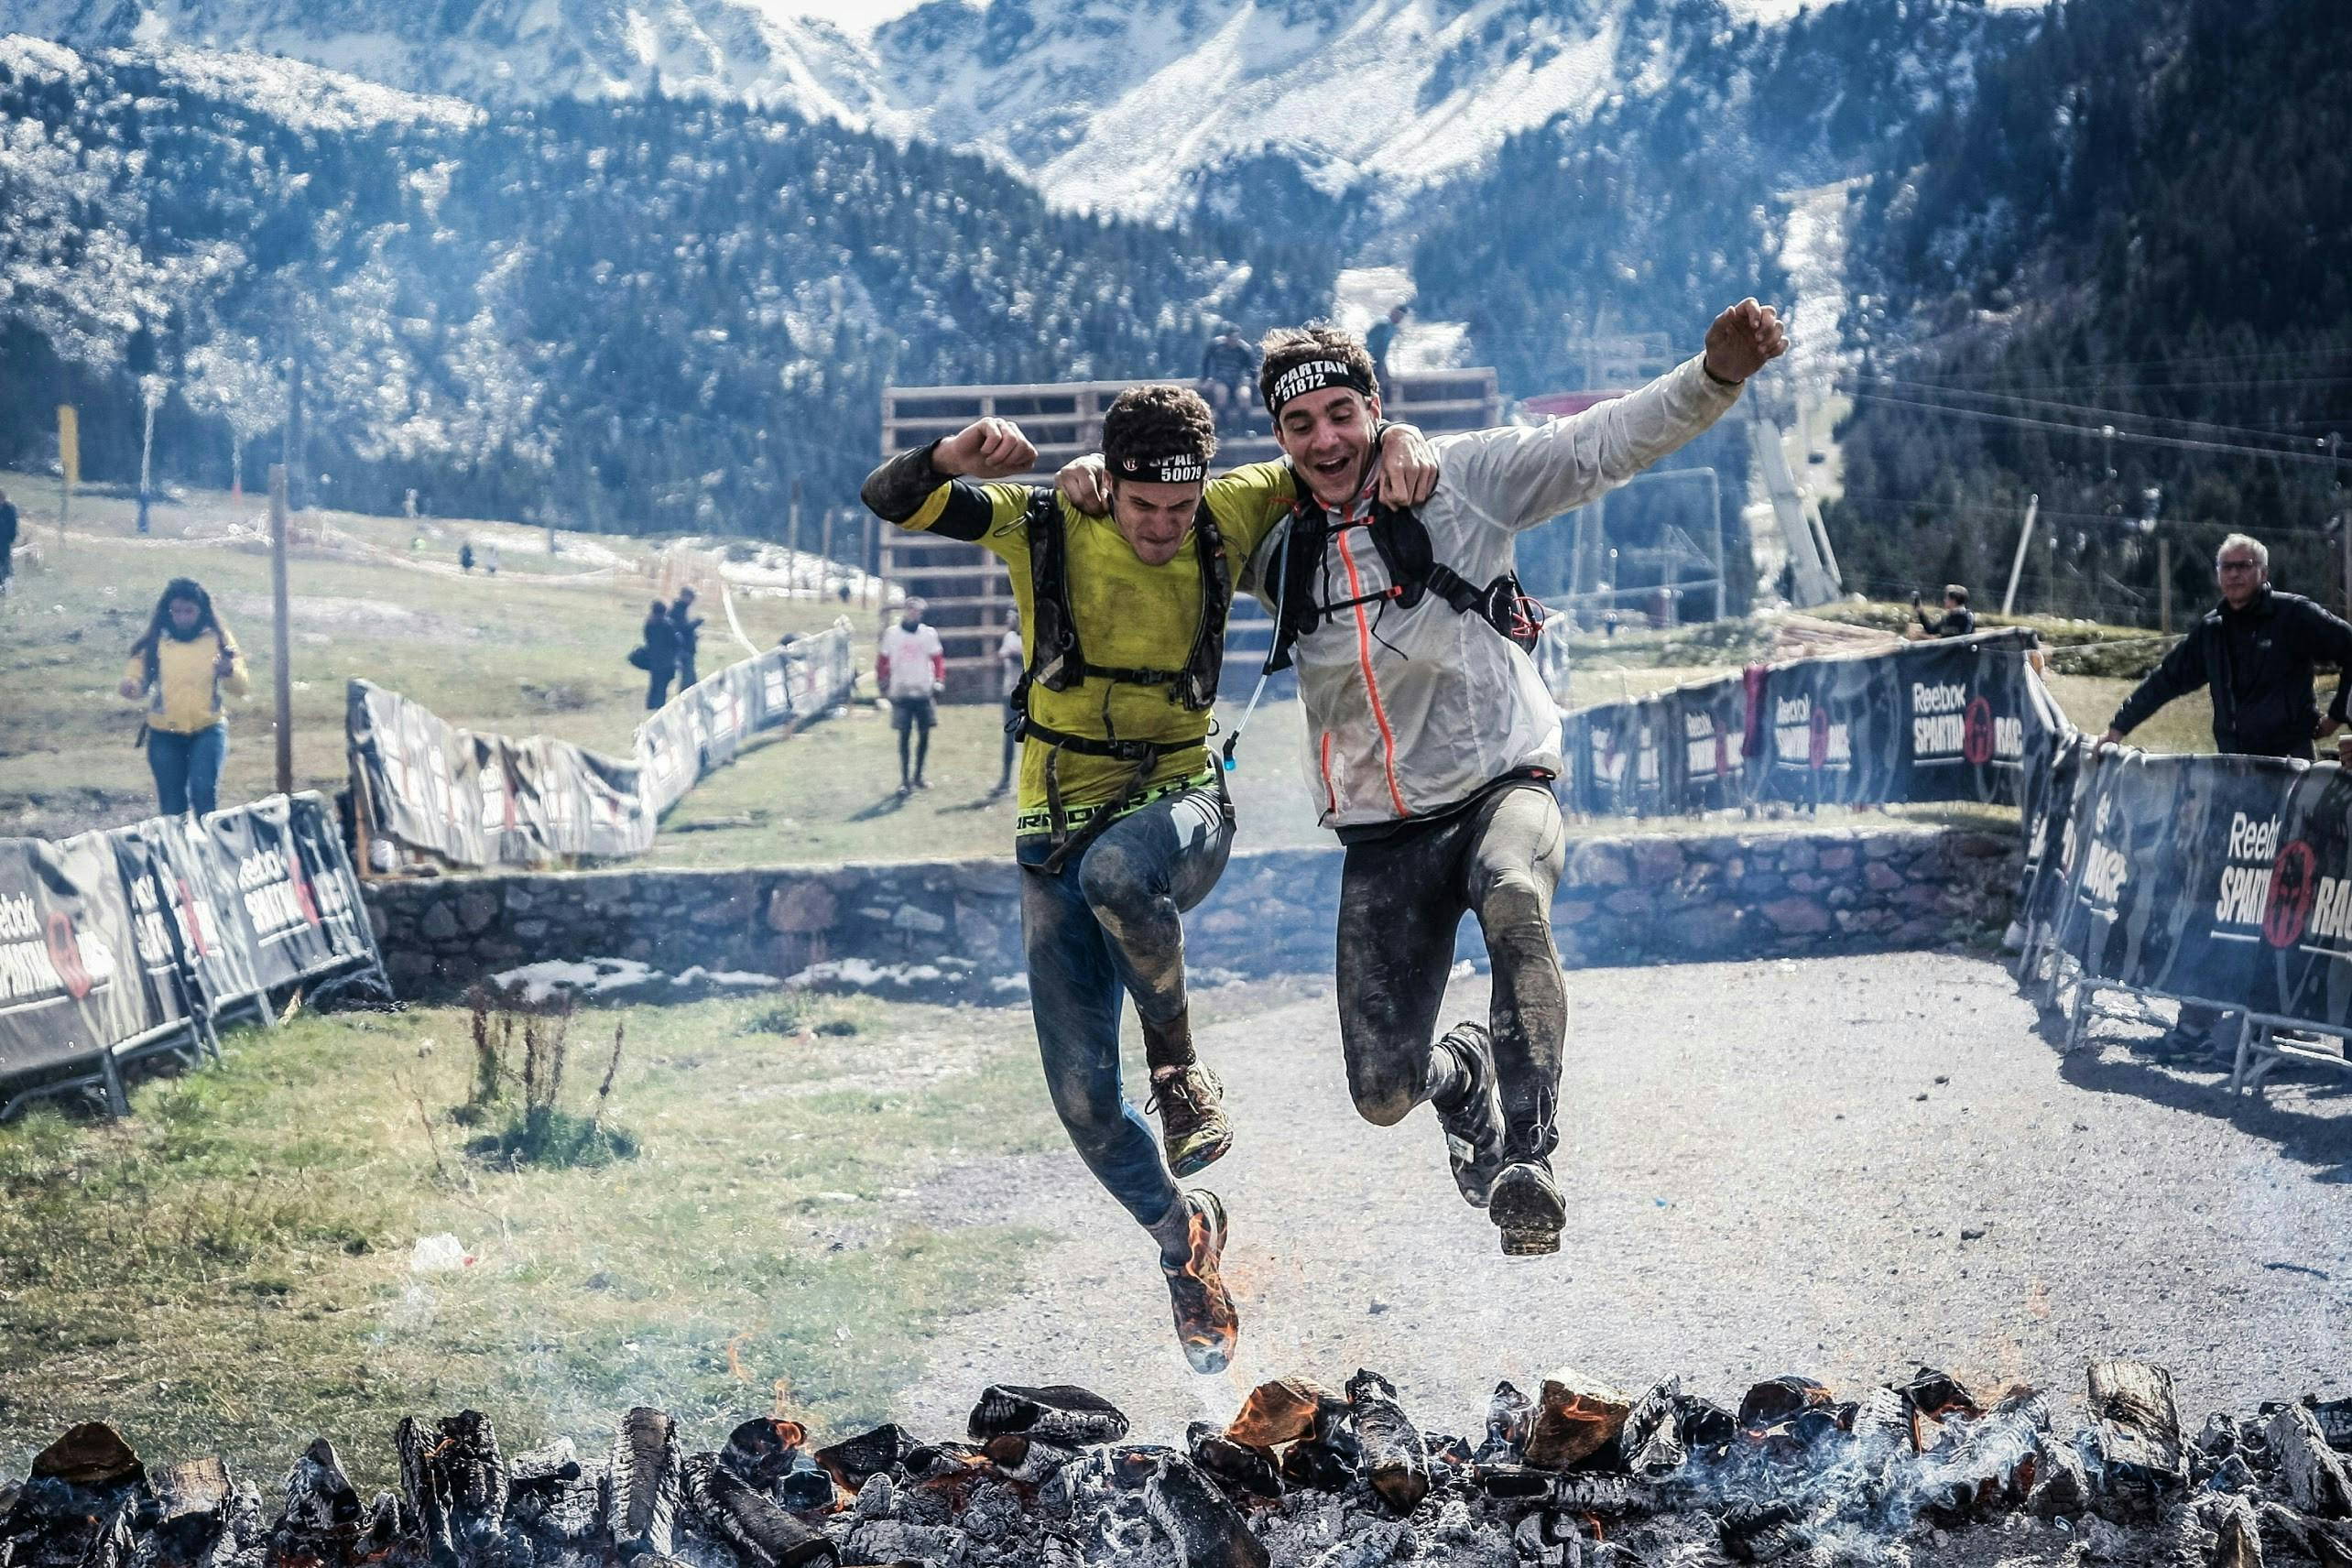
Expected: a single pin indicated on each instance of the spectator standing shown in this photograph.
(1009, 667)
(1957, 619)
(686, 630)
(1377, 342)
(490, 560)
(2255, 651)
(181, 667)
(911, 666)
(661, 654)
(466, 555)
(8, 543)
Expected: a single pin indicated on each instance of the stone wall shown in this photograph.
(954, 927)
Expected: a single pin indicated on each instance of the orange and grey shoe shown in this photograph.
(1527, 1207)
(1192, 1125)
(1206, 1322)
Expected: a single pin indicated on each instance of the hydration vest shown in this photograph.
(1057, 661)
(1401, 541)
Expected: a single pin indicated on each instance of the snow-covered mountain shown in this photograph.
(1123, 105)
(496, 52)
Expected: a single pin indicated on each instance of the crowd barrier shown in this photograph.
(1956, 719)
(422, 786)
(2223, 882)
(118, 943)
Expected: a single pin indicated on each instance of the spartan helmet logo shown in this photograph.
(2293, 883)
(1130, 466)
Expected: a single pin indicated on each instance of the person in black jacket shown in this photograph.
(2256, 650)
(1957, 620)
(685, 628)
(661, 654)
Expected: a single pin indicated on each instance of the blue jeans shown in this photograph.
(1104, 924)
(187, 768)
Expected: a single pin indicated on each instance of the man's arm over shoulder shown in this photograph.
(1520, 475)
(1249, 503)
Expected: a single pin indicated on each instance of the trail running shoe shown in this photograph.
(1473, 1130)
(1207, 1324)
(1192, 1123)
(1525, 1207)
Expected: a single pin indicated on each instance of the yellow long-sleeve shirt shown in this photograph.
(185, 696)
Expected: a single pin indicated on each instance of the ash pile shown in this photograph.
(1576, 1474)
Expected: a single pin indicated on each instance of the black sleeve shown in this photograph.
(2327, 638)
(897, 491)
(2182, 672)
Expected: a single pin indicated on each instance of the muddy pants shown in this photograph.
(1104, 925)
(1400, 898)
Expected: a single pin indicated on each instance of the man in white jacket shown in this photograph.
(1431, 741)
(911, 666)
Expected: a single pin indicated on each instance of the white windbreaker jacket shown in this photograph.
(1413, 711)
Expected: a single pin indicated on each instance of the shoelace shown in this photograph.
(1190, 1088)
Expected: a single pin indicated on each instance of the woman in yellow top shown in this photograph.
(181, 667)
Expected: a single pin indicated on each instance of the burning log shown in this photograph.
(1608, 1497)
(1315, 1465)
(761, 1534)
(2061, 1487)
(2138, 1427)
(854, 1459)
(2334, 1418)
(456, 1485)
(1703, 1425)
(1937, 1394)
(1396, 1461)
(1647, 1443)
(1777, 1401)
(556, 1464)
(2328, 1544)
(2238, 1533)
(642, 1485)
(1206, 1530)
(1070, 1417)
(1575, 1416)
(322, 1518)
(2309, 1470)
(1250, 1469)
(1278, 1413)
(1762, 1532)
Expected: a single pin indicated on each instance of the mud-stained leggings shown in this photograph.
(1107, 925)
(1401, 900)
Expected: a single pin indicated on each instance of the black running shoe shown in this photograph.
(1525, 1207)
(1207, 1324)
(1473, 1130)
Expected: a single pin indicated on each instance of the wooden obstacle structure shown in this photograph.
(971, 601)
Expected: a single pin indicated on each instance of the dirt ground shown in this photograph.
(1846, 1167)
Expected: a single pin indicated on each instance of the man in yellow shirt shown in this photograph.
(181, 667)
(1123, 822)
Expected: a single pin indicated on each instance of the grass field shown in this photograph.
(229, 1270)
(539, 649)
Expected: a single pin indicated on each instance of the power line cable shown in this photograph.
(2254, 432)
(2183, 443)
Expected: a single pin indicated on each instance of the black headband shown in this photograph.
(1176, 468)
(1314, 376)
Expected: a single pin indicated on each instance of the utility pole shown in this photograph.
(281, 675)
(2164, 586)
(792, 522)
(824, 551)
(2016, 561)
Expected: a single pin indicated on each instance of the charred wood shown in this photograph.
(1278, 1412)
(868, 1453)
(642, 1485)
(1396, 1459)
(759, 1533)
(1237, 1464)
(1576, 1417)
(1204, 1528)
(2310, 1472)
(2139, 1426)
(1061, 1413)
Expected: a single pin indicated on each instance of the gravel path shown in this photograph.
(1843, 1167)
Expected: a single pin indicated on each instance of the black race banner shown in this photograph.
(109, 939)
(70, 984)
(1709, 735)
(471, 798)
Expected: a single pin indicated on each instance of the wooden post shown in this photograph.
(824, 553)
(792, 527)
(2344, 533)
(282, 675)
(2164, 586)
(872, 556)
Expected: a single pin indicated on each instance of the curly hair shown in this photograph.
(1157, 421)
(1287, 346)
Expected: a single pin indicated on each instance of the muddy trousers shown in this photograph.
(1108, 925)
(1401, 900)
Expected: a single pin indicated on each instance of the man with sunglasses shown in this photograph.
(2255, 651)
